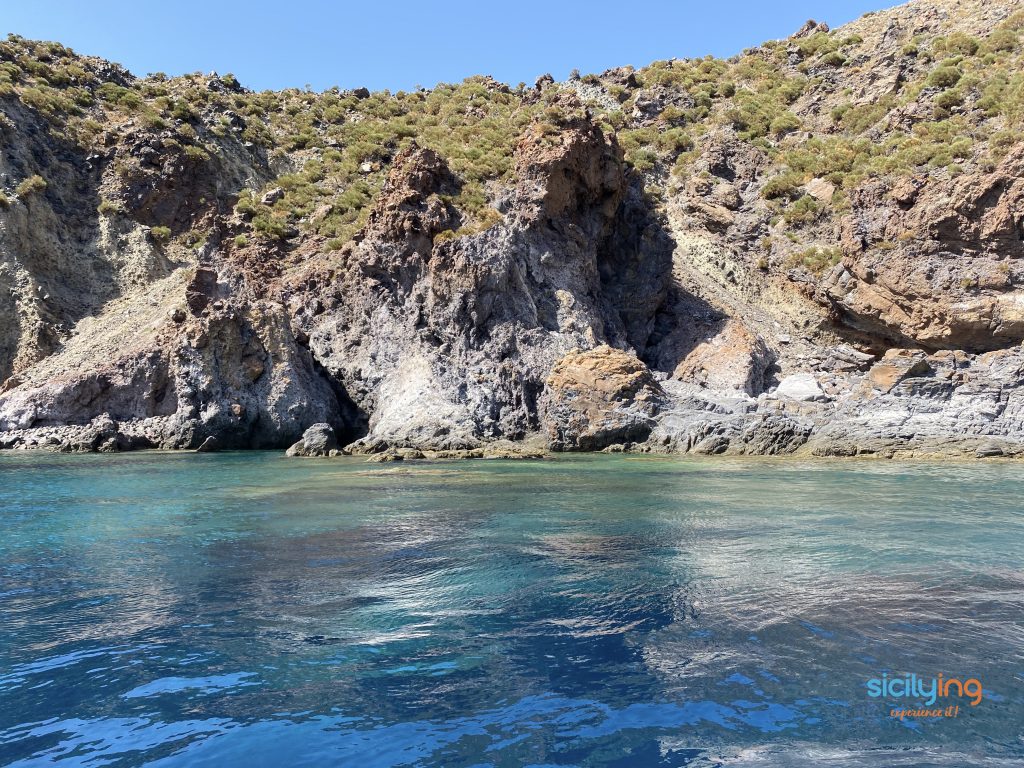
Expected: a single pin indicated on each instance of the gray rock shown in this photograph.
(271, 196)
(318, 440)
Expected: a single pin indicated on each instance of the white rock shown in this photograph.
(800, 386)
(820, 189)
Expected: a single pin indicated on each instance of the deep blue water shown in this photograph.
(252, 610)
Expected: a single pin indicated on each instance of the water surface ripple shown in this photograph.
(247, 609)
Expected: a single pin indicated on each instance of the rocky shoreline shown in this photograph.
(907, 405)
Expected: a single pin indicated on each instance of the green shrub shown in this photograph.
(803, 211)
(108, 207)
(675, 140)
(785, 185)
(946, 100)
(784, 123)
(816, 259)
(857, 119)
(944, 77)
(816, 44)
(30, 186)
(958, 42)
(1000, 143)
(119, 96)
(196, 153)
(160, 234)
(241, 241)
(1001, 40)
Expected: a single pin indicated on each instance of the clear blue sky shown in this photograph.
(396, 45)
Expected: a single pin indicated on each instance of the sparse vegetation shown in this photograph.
(340, 144)
(816, 259)
(805, 210)
(30, 186)
(108, 207)
(160, 234)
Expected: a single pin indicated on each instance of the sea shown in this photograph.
(248, 609)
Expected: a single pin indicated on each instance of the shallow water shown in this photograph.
(247, 609)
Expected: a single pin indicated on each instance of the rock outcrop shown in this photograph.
(598, 398)
(318, 440)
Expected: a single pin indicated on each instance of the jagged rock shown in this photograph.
(896, 366)
(600, 397)
(809, 28)
(732, 359)
(201, 289)
(318, 440)
(905, 191)
(912, 290)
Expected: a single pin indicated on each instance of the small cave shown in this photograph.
(353, 423)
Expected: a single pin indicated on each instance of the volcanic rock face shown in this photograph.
(953, 285)
(600, 281)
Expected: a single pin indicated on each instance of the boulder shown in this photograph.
(271, 196)
(600, 397)
(318, 440)
(732, 359)
(800, 386)
(820, 189)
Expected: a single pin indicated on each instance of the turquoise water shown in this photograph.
(247, 609)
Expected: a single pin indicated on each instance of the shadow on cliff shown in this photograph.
(662, 320)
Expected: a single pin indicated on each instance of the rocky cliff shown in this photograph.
(815, 246)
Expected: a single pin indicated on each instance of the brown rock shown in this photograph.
(201, 289)
(905, 191)
(410, 207)
(733, 358)
(600, 397)
(896, 366)
(820, 189)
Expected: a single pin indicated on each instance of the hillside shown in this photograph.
(814, 246)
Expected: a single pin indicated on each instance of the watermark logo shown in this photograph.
(940, 696)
